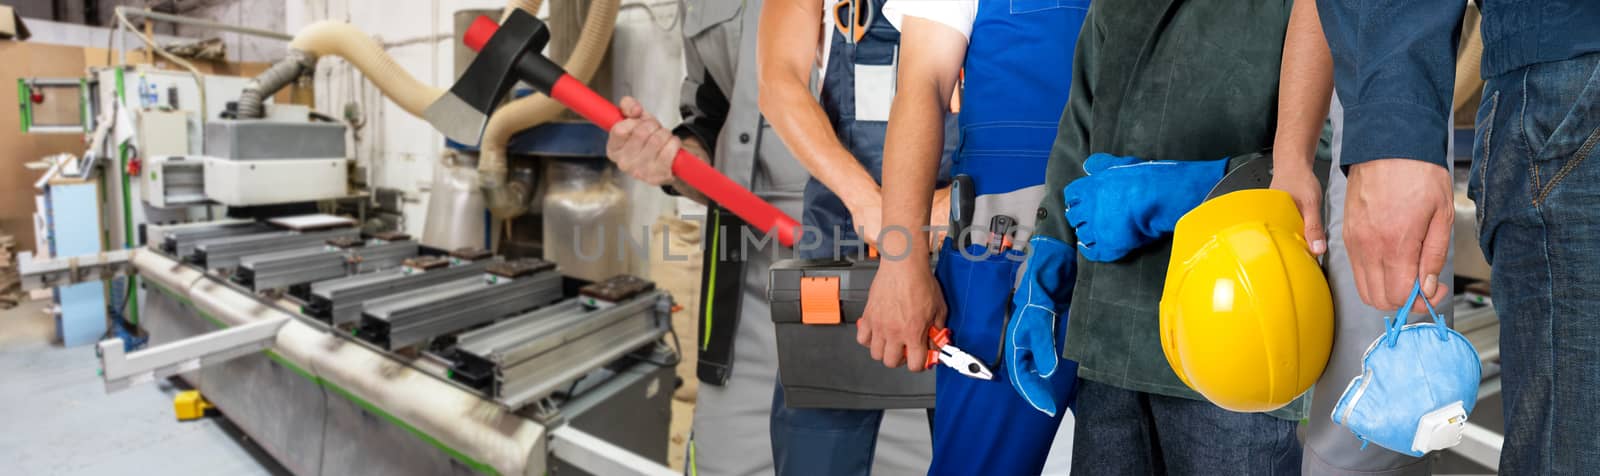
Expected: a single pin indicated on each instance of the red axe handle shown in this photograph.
(697, 173)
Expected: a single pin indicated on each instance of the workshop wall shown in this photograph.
(257, 14)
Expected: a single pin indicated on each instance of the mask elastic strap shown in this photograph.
(1403, 315)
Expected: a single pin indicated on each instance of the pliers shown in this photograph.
(952, 356)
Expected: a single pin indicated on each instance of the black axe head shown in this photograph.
(462, 112)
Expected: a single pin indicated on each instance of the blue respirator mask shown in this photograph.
(1417, 385)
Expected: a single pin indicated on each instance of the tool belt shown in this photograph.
(815, 304)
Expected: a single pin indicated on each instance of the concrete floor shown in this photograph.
(60, 421)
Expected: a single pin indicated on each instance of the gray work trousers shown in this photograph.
(1331, 449)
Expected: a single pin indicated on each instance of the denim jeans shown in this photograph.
(1123, 432)
(807, 441)
(1536, 183)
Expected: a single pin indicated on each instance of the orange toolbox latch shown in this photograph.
(819, 300)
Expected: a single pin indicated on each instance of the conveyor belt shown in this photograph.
(402, 321)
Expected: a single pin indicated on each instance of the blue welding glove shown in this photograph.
(1040, 302)
(1127, 202)
(1417, 385)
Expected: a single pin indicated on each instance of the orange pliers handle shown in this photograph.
(940, 337)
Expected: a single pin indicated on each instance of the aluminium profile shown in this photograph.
(341, 300)
(533, 355)
(219, 253)
(299, 266)
(378, 255)
(402, 321)
(282, 268)
(180, 242)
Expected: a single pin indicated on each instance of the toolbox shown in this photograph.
(815, 304)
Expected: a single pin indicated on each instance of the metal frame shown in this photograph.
(25, 85)
(567, 445)
(49, 273)
(122, 370)
(596, 456)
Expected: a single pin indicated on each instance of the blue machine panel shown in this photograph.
(75, 231)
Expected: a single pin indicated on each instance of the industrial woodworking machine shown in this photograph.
(345, 353)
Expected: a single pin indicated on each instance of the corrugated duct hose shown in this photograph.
(345, 41)
(507, 200)
(1469, 77)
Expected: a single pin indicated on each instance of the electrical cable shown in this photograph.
(150, 43)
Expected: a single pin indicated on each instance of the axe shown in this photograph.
(462, 112)
(510, 51)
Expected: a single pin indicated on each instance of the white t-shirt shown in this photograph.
(956, 14)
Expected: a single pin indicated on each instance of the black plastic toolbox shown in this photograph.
(819, 362)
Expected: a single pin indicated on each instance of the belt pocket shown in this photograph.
(1030, 6)
(977, 289)
(720, 297)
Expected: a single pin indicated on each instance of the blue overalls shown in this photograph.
(857, 90)
(1018, 72)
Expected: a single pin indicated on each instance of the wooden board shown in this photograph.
(19, 60)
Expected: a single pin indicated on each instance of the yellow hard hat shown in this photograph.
(1246, 316)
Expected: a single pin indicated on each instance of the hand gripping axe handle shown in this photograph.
(550, 79)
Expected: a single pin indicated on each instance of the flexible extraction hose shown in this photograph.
(1469, 65)
(367, 55)
(270, 81)
(530, 6)
(510, 200)
(345, 41)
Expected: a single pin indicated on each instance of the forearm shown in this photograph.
(799, 120)
(914, 142)
(930, 64)
(1394, 63)
(786, 49)
(1305, 85)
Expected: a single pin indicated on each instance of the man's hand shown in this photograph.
(1302, 184)
(1397, 219)
(904, 302)
(640, 146)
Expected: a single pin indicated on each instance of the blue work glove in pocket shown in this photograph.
(1127, 202)
(1038, 308)
(1417, 386)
